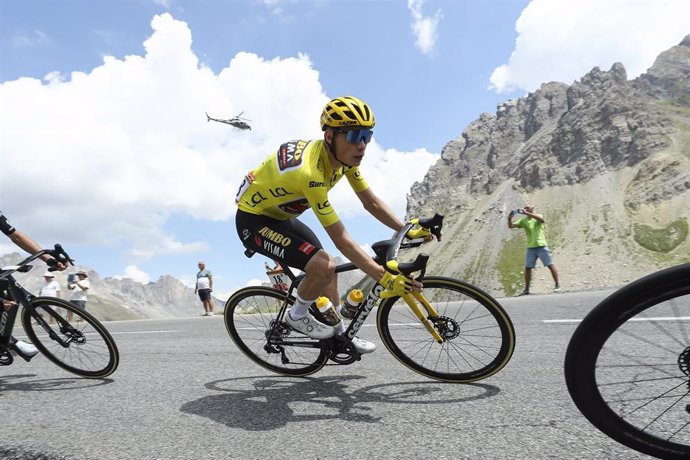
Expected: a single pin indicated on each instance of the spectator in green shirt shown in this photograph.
(533, 224)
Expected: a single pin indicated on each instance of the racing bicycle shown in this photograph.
(70, 337)
(452, 331)
(627, 365)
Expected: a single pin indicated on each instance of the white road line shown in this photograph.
(141, 332)
(659, 318)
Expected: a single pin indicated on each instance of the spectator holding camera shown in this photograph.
(79, 285)
(533, 225)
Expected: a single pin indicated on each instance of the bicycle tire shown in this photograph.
(624, 364)
(90, 352)
(248, 316)
(483, 343)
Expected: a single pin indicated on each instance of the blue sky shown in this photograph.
(105, 147)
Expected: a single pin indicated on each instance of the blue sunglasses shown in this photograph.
(355, 136)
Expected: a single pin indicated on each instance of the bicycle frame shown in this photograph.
(387, 251)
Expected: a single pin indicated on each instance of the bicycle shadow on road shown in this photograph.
(19, 382)
(263, 403)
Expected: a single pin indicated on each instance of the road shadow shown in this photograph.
(23, 382)
(263, 403)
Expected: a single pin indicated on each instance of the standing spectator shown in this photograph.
(533, 224)
(204, 287)
(79, 286)
(50, 288)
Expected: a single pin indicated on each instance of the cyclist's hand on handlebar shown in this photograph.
(55, 264)
(396, 285)
(420, 232)
(423, 232)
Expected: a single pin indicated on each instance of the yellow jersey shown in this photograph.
(293, 179)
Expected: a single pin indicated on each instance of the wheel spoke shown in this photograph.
(250, 315)
(479, 337)
(84, 346)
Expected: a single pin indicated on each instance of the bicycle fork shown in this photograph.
(423, 318)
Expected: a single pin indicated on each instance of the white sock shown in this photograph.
(300, 309)
(340, 327)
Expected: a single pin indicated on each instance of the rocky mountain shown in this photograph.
(606, 160)
(120, 299)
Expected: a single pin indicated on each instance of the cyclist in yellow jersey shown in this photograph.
(297, 177)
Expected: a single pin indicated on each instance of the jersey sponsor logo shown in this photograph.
(296, 207)
(324, 208)
(280, 192)
(290, 154)
(314, 183)
(306, 248)
(255, 199)
(274, 249)
(274, 236)
(245, 234)
(372, 298)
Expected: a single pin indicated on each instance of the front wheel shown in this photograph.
(627, 365)
(479, 335)
(251, 318)
(70, 337)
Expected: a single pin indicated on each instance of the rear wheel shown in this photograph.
(251, 319)
(479, 336)
(81, 345)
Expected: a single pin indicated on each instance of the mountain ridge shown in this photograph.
(606, 160)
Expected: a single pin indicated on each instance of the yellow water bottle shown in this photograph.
(327, 310)
(352, 301)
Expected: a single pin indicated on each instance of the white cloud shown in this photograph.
(135, 274)
(115, 152)
(111, 155)
(425, 29)
(561, 40)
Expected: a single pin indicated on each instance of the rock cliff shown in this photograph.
(606, 160)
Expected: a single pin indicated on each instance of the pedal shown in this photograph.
(6, 358)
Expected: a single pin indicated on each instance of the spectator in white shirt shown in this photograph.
(50, 288)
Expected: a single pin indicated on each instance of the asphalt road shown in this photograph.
(184, 391)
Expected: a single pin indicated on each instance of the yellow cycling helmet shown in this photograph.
(347, 111)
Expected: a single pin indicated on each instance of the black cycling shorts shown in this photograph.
(288, 241)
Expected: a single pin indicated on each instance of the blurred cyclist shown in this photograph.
(23, 349)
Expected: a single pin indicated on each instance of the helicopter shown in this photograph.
(236, 122)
